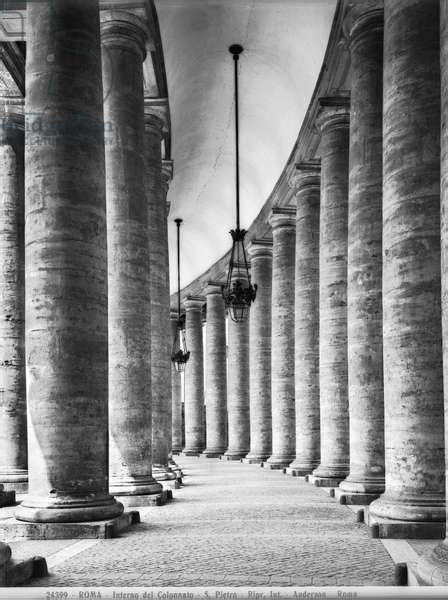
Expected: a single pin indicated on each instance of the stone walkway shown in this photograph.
(232, 525)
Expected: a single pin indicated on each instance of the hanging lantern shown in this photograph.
(238, 292)
(180, 353)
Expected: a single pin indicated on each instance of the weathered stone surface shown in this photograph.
(123, 37)
(364, 277)
(260, 252)
(238, 389)
(194, 378)
(215, 373)
(283, 225)
(19, 572)
(13, 441)
(65, 268)
(413, 387)
(334, 421)
(307, 452)
(176, 398)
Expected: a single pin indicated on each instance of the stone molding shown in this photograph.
(283, 216)
(192, 303)
(124, 29)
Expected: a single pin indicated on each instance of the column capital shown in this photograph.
(260, 247)
(283, 216)
(362, 17)
(167, 171)
(305, 175)
(214, 288)
(125, 29)
(192, 303)
(334, 112)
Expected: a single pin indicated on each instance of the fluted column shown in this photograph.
(13, 444)
(307, 187)
(65, 268)
(260, 252)
(283, 225)
(334, 421)
(433, 569)
(128, 197)
(215, 373)
(365, 481)
(194, 378)
(237, 389)
(413, 383)
(176, 397)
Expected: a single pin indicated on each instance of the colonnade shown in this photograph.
(85, 368)
(345, 335)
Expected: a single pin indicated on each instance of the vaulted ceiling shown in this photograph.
(284, 44)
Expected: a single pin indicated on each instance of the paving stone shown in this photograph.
(233, 525)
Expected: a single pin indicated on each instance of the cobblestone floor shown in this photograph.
(231, 524)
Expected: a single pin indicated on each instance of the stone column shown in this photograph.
(433, 569)
(283, 225)
(334, 421)
(65, 268)
(215, 373)
(307, 186)
(124, 37)
(260, 252)
(13, 445)
(194, 378)
(160, 300)
(176, 396)
(365, 482)
(237, 389)
(413, 382)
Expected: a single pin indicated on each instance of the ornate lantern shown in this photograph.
(238, 292)
(179, 354)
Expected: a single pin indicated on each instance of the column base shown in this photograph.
(327, 482)
(191, 453)
(234, 455)
(255, 459)
(7, 498)
(297, 472)
(141, 500)
(11, 528)
(278, 462)
(14, 480)
(252, 461)
(66, 509)
(176, 451)
(433, 569)
(213, 453)
(163, 473)
(380, 527)
(130, 486)
(357, 498)
(19, 572)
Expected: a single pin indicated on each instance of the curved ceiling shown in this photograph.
(284, 44)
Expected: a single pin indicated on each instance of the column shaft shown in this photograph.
(159, 294)
(282, 359)
(334, 422)
(215, 373)
(307, 320)
(238, 389)
(433, 569)
(123, 37)
(413, 390)
(65, 267)
(194, 379)
(364, 279)
(260, 252)
(13, 444)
